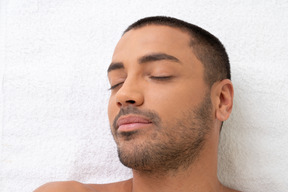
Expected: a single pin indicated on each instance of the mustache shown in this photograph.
(149, 114)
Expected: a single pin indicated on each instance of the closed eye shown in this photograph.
(161, 78)
(158, 78)
(115, 86)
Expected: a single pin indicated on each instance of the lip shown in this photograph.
(132, 123)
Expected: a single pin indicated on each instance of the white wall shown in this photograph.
(54, 55)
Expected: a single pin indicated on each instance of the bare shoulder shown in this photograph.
(67, 186)
(122, 186)
(74, 186)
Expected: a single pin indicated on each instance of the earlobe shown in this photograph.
(225, 95)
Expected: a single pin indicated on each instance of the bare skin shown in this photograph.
(134, 85)
(73, 186)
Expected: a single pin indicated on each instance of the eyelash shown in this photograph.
(161, 78)
(158, 78)
(115, 86)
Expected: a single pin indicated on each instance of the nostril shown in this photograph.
(130, 101)
(119, 104)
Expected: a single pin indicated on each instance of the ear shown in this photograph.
(224, 99)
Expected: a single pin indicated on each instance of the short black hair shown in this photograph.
(207, 48)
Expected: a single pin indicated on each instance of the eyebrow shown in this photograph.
(114, 66)
(157, 57)
(145, 59)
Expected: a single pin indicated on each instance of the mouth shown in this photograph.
(131, 123)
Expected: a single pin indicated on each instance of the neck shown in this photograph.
(200, 176)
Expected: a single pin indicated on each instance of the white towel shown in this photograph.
(54, 56)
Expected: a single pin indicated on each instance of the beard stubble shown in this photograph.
(169, 147)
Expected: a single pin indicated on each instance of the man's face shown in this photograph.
(160, 107)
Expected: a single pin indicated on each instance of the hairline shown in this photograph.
(193, 41)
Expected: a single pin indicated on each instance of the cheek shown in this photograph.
(112, 109)
(172, 103)
(168, 108)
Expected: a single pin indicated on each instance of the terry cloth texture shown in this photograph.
(53, 61)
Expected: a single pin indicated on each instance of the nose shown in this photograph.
(130, 93)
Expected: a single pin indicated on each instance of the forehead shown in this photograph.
(153, 38)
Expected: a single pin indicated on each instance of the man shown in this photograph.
(170, 93)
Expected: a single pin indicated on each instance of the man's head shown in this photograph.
(169, 93)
